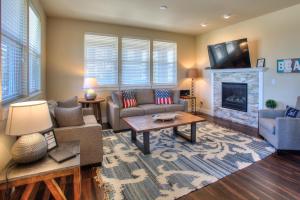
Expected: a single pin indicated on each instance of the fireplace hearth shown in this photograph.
(235, 96)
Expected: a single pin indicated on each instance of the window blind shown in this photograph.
(13, 48)
(164, 63)
(135, 62)
(101, 59)
(34, 52)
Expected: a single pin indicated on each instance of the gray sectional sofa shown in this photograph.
(146, 106)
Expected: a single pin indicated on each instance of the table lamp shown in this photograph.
(193, 73)
(26, 120)
(90, 84)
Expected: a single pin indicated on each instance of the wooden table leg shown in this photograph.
(99, 112)
(77, 183)
(146, 139)
(46, 194)
(27, 192)
(55, 190)
(62, 183)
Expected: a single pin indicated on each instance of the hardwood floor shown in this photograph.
(276, 177)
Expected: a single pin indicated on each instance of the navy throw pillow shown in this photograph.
(292, 112)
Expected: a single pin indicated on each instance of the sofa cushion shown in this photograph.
(174, 107)
(144, 96)
(89, 119)
(152, 108)
(163, 96)
(268, 124)
(117, 98)
(130, 112)
(128, 99)
(292, 112)
(69, 103)
(66, 117)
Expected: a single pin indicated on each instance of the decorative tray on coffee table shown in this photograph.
(164, 117)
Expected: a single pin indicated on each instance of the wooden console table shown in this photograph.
(95, 104)
(45, 170)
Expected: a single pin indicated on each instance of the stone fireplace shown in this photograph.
(237, 94)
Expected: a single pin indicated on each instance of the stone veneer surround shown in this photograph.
(253, 77)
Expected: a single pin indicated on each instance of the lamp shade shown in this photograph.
(193, 73)
(27, 118)
(90, 83)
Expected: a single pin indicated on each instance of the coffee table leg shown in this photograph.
(175, 130)
(146, 141)
(133, 135)
(193, 132)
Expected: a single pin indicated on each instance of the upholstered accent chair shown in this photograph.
(282, 132)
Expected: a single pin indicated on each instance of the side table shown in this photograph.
(95, 104)
(193, 100)
(45, 170)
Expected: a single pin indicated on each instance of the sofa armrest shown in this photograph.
(90, 137)
(185, 104)
(87, 111)
(113, 114)
(288, 130)
(271, 113)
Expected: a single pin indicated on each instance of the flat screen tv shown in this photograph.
(228, 55)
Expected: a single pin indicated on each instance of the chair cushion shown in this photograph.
(268, 124)
(174, 107)
(130, 112)
(89, 119)
(145, 96)
(152, 108)
(69, 103)
(292, 112)
(128, 99)
(66, 117)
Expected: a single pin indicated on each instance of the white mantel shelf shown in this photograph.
(261, 69)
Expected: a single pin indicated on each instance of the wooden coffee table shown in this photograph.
(145, 124)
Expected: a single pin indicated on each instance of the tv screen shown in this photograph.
(234, 54)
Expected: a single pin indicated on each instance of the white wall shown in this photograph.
(272, 36)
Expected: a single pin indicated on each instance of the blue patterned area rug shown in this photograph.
(175, 167)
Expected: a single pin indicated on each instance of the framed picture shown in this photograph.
(51, 140)
(288, 65)
(260, 62)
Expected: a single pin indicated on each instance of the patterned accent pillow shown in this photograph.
(292, 112)
(128, 99)
(163, 96)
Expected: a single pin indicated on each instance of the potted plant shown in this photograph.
(272, 104)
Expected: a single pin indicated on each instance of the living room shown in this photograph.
(107, 70)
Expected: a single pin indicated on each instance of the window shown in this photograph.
(101, 59)
(34, 52)
(13, 49)
(135, 62)
(164, 63)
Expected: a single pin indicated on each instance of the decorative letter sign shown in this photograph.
(288, 65)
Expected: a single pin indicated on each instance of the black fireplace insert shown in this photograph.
(235, 96)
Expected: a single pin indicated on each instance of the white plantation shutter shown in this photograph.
(101, 59)
(34, 52)
(13, 49)
(164, 63)
(135, 62)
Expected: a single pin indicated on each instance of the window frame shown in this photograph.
(120, 62)
(154, 85)
(106, 87)
(147, 85)
(25, 96)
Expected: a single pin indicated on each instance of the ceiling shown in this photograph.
(182, 16)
